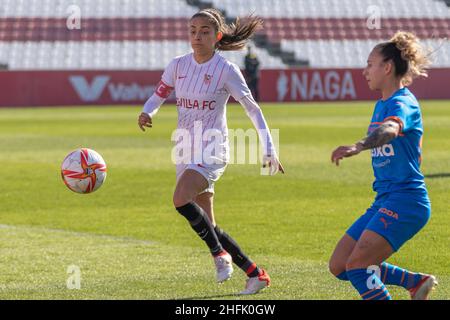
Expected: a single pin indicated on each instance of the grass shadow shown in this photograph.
(437, 175)
(209, 297)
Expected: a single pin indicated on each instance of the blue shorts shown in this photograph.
(397, 217)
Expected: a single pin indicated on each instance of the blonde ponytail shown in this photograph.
(412, 51)
(408, 55)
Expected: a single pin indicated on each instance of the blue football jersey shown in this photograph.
(396, 165)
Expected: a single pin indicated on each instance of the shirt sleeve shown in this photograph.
(235, 83)
(169, 74)
(400, 112)
(152, 105)
(256, 116)
(163, 89)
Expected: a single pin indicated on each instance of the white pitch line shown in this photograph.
(78, 234)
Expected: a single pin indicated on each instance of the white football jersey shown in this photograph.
(202, 92)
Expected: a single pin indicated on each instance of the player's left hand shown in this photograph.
(273, 163)
(345, 152)
(144, 120)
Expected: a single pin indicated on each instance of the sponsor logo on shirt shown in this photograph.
(382, 164)
(196, 104)
(386, 150)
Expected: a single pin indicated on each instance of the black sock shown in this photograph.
(199, 221)
(239, 257)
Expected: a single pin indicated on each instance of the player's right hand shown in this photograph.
(144, 121)
(344, 152)
(273, 163)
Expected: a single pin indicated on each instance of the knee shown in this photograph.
(336, 268)
(180, 198)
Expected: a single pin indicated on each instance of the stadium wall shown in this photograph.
(58, 88)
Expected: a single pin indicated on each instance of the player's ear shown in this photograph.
(219, 35)
(388, 67)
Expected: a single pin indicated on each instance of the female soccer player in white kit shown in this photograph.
(203, 82)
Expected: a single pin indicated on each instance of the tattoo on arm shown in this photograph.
(386, 132)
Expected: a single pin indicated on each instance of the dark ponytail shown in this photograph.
(235, 35)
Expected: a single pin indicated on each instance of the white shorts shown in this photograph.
(212, 172)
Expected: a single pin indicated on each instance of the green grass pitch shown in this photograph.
(130, 243)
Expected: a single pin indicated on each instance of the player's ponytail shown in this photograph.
(408, 56)
(233, 36)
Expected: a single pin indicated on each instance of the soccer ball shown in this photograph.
(83, 170)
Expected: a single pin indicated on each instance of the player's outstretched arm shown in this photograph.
(151, 107)
(385, 133)
(162, 92)
(270, 158)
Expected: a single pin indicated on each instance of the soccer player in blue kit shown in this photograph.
(401, 207)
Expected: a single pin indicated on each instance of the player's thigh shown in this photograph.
(400, 218)
(189, 185)
(370, 249)
(206, 201)
(340, 255)
(357, 228)
(345, 246)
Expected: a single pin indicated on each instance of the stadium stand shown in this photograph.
(96, 8)
(337, 33)
(95, 55)
(334, 8)
(114, 35)
(145, 35)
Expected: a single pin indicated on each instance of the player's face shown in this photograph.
(202, 35)
(375, 71)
